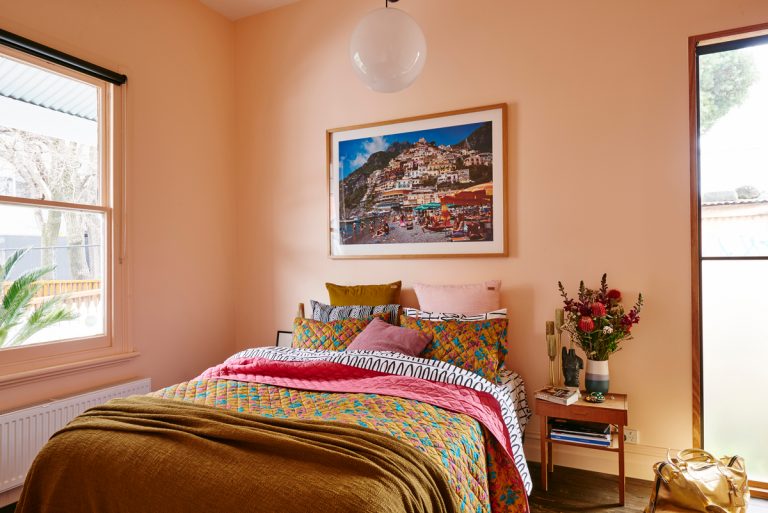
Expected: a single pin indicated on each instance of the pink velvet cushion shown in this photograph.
(471, 299)
(382, 336)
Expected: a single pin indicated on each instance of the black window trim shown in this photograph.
(55, 56)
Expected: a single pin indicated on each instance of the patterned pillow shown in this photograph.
(437, 316)
(477, 346)
(328, 313)
(332, 336)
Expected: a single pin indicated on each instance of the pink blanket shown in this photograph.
(335, 377)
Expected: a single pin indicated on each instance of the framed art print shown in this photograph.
(428, 186)
(284, 339)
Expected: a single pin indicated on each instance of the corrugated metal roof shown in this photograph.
(750, 201)
(45, 89)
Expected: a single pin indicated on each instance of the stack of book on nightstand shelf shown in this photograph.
(558, 395)
(591, 433)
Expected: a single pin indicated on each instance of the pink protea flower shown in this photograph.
(598, 309)
(586, 324)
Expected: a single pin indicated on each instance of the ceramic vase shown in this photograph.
(597, 376)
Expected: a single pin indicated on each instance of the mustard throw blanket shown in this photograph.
(142, 455)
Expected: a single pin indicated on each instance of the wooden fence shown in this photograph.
(76, 293)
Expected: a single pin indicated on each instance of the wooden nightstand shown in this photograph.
(612, 411)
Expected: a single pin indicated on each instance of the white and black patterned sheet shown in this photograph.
(433, 370)
(440, 316)
(516, 387)
(327, 313)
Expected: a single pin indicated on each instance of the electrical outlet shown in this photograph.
(631, 436)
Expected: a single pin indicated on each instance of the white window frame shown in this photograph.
(26, 363)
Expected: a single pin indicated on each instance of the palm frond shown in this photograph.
(4, 334)
(13, 315)
(23, 284)
(8, 321)
(16, 302)
(20, 293)
(48, 313)
(5, 269)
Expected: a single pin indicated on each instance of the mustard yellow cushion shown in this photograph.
(368, 295)
(332, 336)
(477, 346)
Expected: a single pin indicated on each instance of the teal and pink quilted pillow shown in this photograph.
(332, 336)
(477, 346)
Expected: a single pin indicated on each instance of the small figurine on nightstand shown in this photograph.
(572, 364)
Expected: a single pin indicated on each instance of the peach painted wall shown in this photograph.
(598, 170)
(179, 58)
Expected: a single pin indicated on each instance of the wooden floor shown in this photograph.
(579, 490)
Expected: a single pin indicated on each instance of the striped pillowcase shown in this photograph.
(328, 313)
(441, 317)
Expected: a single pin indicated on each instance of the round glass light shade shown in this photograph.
(388, 50)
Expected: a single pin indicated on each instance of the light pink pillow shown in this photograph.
(471, 299)
(382, 336)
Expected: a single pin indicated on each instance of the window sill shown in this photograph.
(20, 378)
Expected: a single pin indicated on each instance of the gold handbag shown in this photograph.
(697, 481)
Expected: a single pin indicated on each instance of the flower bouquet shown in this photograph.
(596, 320)
(597, 323)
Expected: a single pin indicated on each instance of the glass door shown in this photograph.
(732, 136)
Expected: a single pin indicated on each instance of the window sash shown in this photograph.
(22, 363)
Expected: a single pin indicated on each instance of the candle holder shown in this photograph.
(551, 352)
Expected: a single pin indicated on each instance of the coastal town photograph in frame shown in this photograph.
(426, 186)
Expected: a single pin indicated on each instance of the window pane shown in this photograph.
(72, 244)
(733, 105)
(49, 142)
(735, 349)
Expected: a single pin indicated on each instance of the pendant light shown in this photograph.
(388, 49)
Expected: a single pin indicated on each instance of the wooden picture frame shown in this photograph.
(283, 339)
(421, 187)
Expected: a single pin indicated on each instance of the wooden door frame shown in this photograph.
(759, 489)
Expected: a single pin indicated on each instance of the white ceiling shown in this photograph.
(236, 9)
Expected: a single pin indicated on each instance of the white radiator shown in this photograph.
(24, 432)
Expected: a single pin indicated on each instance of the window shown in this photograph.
(60, 216)
(729, 169)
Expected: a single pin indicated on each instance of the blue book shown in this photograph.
(580, 440)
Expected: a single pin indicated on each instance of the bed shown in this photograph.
(276, 429)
